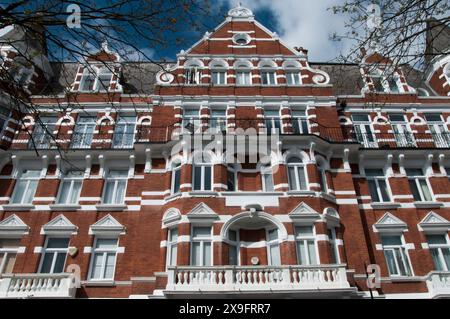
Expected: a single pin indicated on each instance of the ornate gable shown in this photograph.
(390, 223)
(107, 225)
(434, 222)
(202, 211)
(13, 225)
(304, 213)
(59, 225)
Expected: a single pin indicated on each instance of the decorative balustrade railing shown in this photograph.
(438, 284)
(37, 286)
(251, 278)
(164, 134)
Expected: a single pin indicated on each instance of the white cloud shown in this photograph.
(305, 23)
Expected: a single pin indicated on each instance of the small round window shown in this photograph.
(241, 39)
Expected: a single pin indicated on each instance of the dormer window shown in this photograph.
(96, 79)
(385, 83)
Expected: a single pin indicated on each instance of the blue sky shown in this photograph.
(297, 22)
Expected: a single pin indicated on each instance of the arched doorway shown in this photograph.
(253, 238)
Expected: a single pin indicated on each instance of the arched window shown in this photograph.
(176, 178)
(267, 178)
(292, 72)
(218, 72)
(268, 73)
(296, 174)
(193, 74)
(202, 173)
(243, 72)
(321, 167)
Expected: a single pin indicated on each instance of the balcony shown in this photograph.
(438, 283)
(252, 280)
(37, 286)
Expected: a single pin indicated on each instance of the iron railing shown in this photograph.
(164, 134)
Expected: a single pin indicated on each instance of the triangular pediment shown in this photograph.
(433, 221)
(59, 224)
(202, 211)
(14, 224)
(305, 212)
(171, 215)
(107, 224)
(390, 222)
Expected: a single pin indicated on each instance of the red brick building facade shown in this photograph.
(127, 184)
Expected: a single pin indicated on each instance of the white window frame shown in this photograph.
(299, 119)
(43, 132)
(220, 73)
(439, 127)
(95, 72)
(376, 180)
(233, 170)
(334, 243)
(404, 252)
(124, 135)
(291, 73)
(297, 166)
(104, 252)
(273, 119)
(362, 126)
(28, 182)
(195, 120)
(116, 180)
(202, 166)
(242, 75)
(237, 245)
(71, 180)
(193, 75)
(202, 241)
(273, 242)
(219, 120)
(439, 248)
(7, 252)
(267, 74)
(54, 252)
(266, 170)
(86, 132)
(299, 237)
(416, 179)
(402, 127)
(176, 169)
(172, 244)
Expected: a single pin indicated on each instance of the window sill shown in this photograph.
(64, 207)
(111, 207)
(18, 207)
(405, 279)
(385, 205)
(428, 204)
(203, 193)
(251, 193)
(100, 283)
(300, 193)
